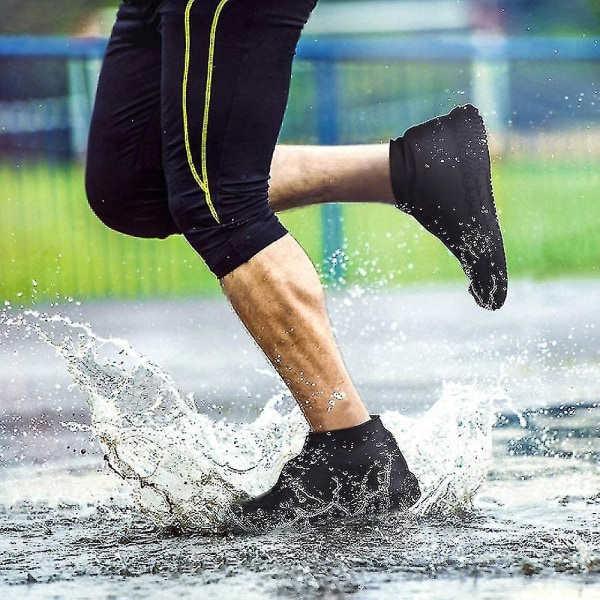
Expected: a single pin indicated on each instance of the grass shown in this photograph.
(52, 246)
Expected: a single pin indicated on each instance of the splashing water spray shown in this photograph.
(186, 470)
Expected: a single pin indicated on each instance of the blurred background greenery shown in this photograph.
(44, 18)
(543, 117)
(68, 16)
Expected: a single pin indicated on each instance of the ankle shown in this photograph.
(337, 417)
(402, 169)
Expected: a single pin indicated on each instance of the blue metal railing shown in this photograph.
(51, 47)
(340, 49)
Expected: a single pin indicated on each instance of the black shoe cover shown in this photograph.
(345, 474)
(441, 176)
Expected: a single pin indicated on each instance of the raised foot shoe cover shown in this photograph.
(344, 474)
(441, 175)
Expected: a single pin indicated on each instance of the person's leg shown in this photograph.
(307, 175)
(225, 79)
(439, 172)
(221, 118)
(279, 298)
(125, 181)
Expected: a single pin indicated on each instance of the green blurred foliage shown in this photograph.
(43, 17)
(594, 7)
(64, 16)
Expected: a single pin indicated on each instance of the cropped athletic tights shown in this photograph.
(189, 106)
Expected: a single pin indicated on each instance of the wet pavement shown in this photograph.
(68, 529)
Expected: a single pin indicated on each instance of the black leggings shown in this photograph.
(188, 110)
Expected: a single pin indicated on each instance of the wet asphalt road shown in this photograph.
(535, 527)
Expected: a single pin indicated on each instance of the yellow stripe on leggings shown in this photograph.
(202, 181)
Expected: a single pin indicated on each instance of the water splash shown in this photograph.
(450, 447)
(186, 468)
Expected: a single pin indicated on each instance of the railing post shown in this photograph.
(491, 73)
(331, 214)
